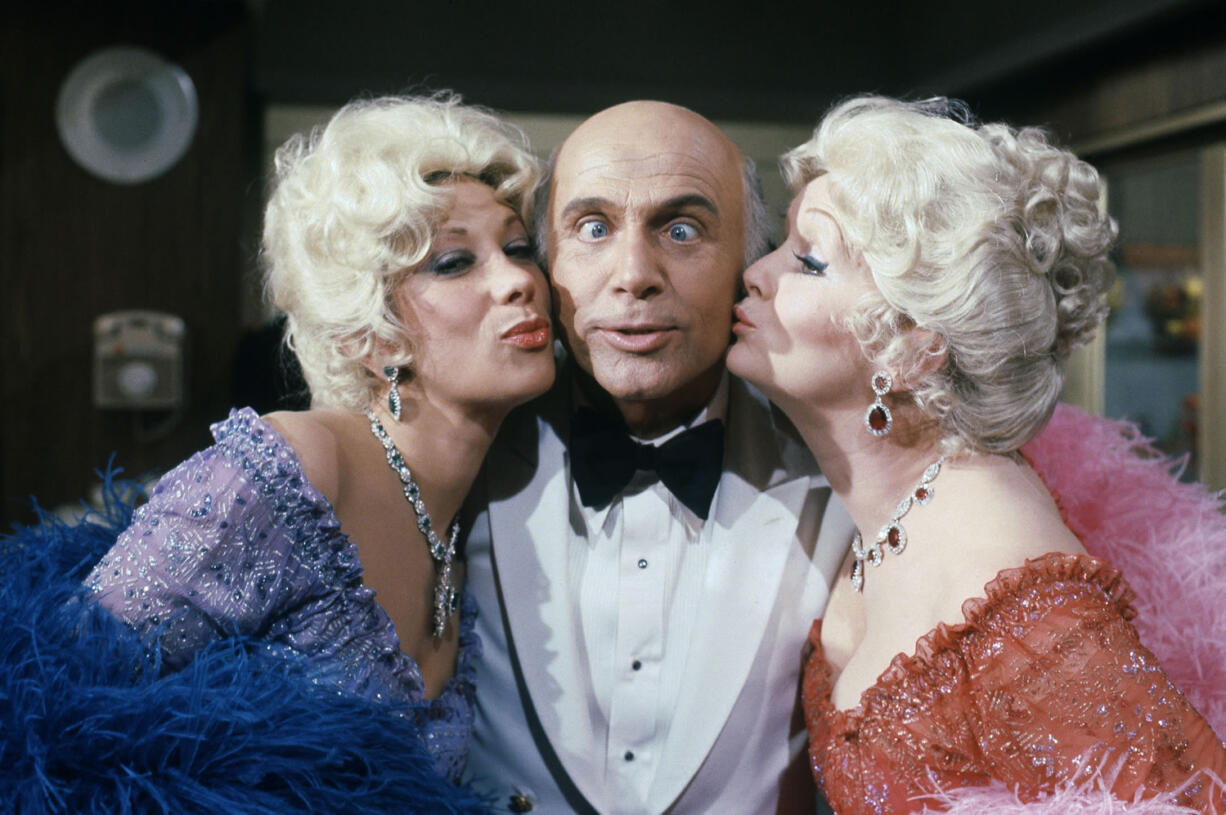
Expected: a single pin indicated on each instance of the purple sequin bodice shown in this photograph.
(236, 540)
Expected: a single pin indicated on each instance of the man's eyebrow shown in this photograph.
(594, 202)
(691, 200)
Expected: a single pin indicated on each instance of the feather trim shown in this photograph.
(1089, 796)
(1123, 499)
(89, 725)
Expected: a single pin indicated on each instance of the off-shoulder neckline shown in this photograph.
(945, 637)
(246, 425)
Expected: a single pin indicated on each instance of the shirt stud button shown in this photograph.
(642, 563)
(520, 803)
(636, 665)
(629, 756)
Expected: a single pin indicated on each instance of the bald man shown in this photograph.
(653, 541)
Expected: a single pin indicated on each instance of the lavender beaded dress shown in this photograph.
(236, 540)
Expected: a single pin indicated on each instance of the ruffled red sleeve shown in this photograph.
(1044, 683)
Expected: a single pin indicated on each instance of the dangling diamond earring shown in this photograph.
(877, 420)
(393, 396)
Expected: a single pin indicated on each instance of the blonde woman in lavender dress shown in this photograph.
(395, 243)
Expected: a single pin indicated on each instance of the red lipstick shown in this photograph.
(529, 334)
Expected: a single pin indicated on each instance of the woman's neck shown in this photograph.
(869, 474)
(444, 448)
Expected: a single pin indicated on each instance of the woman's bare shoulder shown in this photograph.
(992, 521)
(316, 437)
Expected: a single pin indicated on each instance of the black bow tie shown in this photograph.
(603, 459)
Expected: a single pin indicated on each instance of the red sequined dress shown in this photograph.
(1044, 680)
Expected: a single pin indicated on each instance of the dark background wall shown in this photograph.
(769, 61)
(73, 247)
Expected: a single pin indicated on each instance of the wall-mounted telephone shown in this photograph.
(139, 359)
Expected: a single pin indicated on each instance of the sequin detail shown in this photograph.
(235, 539)
(1045, 677)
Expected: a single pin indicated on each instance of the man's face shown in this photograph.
(645, 248)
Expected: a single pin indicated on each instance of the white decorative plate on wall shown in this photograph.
(126, 115)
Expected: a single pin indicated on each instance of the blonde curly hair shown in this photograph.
(990, 239)
(355, 207)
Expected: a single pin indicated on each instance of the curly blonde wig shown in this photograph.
(990, 240)
(355, 207)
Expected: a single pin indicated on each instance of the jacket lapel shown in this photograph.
(755, 518)
(530, 537)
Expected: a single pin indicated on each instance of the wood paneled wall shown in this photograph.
(73, 246)
(1128, 98)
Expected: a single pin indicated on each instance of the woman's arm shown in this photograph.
(1064, 687)
(204, 558)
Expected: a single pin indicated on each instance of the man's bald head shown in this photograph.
(645, 241)
(651, 123)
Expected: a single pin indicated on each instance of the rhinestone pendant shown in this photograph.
(892, 536)
(878, 420)
(445, 602)
(857, 575)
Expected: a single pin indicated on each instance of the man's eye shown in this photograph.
(683, 233)
(593, 230)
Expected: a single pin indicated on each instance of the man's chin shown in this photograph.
(648, 381)
(637, 390)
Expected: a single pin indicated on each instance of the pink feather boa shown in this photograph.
(1123, 499)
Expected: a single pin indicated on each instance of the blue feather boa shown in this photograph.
(88, 723)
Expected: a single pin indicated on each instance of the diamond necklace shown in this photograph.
(892, 536)
(446, 598)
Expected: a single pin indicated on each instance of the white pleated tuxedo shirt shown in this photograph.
(636, 586)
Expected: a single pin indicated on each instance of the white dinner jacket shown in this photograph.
(736, 742)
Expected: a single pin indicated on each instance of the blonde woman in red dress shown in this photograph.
(914, 326)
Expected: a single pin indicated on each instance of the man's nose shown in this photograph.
(637, 269)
